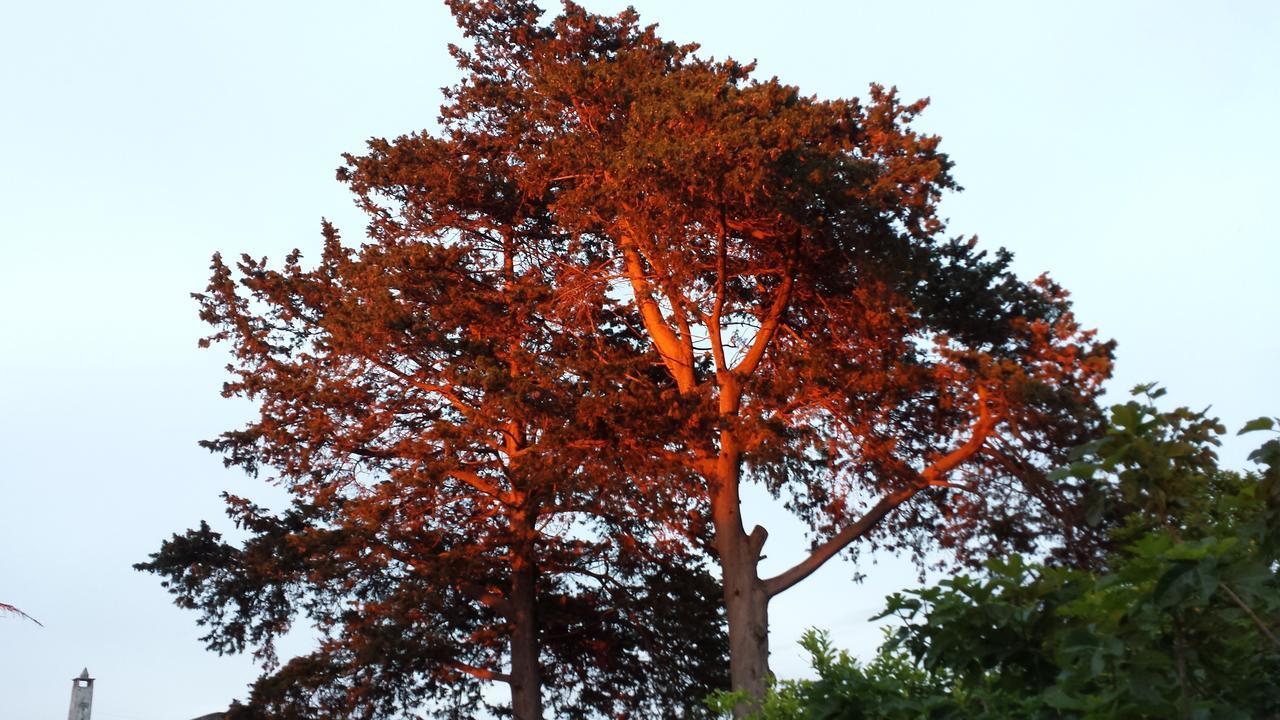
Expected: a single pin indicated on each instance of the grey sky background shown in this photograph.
(1128, 148)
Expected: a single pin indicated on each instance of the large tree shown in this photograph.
(783, 256)
(451, 434)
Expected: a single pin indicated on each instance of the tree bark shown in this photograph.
(745, 599)
(526, 671)
(747, 607)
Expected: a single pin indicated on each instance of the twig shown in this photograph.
(6, 608)
(1254, 616)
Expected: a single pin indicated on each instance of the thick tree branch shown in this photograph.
(436, 389)
(478, 672)
(831, 547)
(675, 354)
(490, 599)
(756, 540)
(717, 308)
(931, 476)
(1257, 621)
(476, 482)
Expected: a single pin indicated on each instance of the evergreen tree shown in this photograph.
(783, 257)
(464, 508)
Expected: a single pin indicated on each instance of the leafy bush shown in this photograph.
(1178, 620)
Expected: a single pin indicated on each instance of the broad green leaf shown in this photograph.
(1262, 423)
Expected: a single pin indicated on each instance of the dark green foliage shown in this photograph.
(1178, 620)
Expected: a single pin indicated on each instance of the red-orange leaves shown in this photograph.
(783, 256)
(621, 281)
(455, 416)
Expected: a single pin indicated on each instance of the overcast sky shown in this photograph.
(1127, 148)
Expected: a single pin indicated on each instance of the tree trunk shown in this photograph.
(747, 607)
(526, 672)
(746, 602)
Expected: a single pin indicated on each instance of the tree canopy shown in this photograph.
(462, 512)
(619, 281)
(783, 256)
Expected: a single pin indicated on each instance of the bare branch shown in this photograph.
(717, 309)
(1252, 615)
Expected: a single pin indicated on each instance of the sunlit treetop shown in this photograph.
(774, 240)
(620, 280)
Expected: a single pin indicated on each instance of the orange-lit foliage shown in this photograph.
(783, 256)
(469, 505)
(622, 281)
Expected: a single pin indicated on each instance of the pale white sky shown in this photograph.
(1128, 148)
